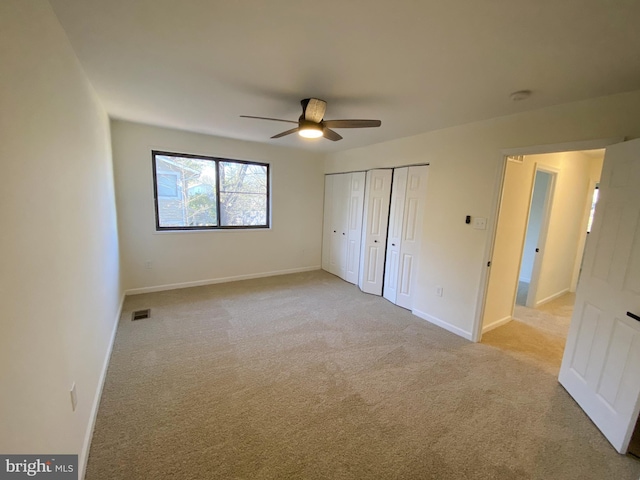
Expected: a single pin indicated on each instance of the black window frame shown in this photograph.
(217, 161)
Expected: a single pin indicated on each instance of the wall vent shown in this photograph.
(141, 314)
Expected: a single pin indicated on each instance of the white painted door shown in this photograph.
(413, 214)
(354, 228)
(394, 239)
(338, 231)
(601, 363)
(375, 221)
(327, 224)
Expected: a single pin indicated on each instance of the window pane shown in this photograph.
(243, 194)
(189, 198)
(243, 209)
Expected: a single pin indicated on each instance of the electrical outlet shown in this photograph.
(439, 291)
(479, 223)
(74, 397)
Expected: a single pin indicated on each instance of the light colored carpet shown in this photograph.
(539, 334)
(304, 377)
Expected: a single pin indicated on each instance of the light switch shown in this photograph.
(480, 223)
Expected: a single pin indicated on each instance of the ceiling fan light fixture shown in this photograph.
(310, 130)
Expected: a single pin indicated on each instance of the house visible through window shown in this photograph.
(167, 184)
(195, 192)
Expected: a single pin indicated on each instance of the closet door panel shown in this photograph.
(375, 222)
(416, 190)
(338, 257)
(354, 234)
(396, 216)
(327, 224)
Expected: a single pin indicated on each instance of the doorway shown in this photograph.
(537, 226)
(539, 243)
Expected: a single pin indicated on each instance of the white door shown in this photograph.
(375, 221)
(394, 239)
(338, 230)
(601, 363)
(354, 228)
(327, 224)
(411, 229)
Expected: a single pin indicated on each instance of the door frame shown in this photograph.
(476, 332)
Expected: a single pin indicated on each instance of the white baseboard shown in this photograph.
(552, 297)
(442, 324)
(211, 281)
(496, 324)
(84, 456)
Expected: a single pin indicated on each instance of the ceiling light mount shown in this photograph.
(520, 95)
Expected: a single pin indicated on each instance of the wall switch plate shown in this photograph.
(480, 223)
(148, 265)
(438, 291)
(74, 397)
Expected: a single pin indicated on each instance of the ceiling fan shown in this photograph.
(311, 123)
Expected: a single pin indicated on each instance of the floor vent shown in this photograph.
(141, 314)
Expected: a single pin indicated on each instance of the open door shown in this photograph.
(601, 363)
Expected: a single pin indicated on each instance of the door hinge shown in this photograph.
(488, 264)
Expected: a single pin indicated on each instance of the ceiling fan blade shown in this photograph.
(331, 135)
(352, 123)
(288, 132)
(267, 118)
(313, 109)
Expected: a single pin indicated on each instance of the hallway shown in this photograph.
(536, 334)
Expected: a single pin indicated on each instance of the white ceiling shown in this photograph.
(417, 65)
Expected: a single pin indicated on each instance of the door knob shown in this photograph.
(375, 241)
(537, 250)
(393, 244)
(343, 233)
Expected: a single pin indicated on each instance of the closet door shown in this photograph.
(375, 221)
(339, 224)
(394, 240)
(414, 205)
(354, 229)
(327, 223)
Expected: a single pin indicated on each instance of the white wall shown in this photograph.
(59, 270)
(293, 243)
(464, 180)
(595, 171)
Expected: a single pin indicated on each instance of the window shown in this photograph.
(194, 192)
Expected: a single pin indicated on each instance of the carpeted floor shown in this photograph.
(539, 333)
(304, 377)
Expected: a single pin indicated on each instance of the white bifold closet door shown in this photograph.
(354, 225)
(374, 230)
(342, 229)
(405, 226)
